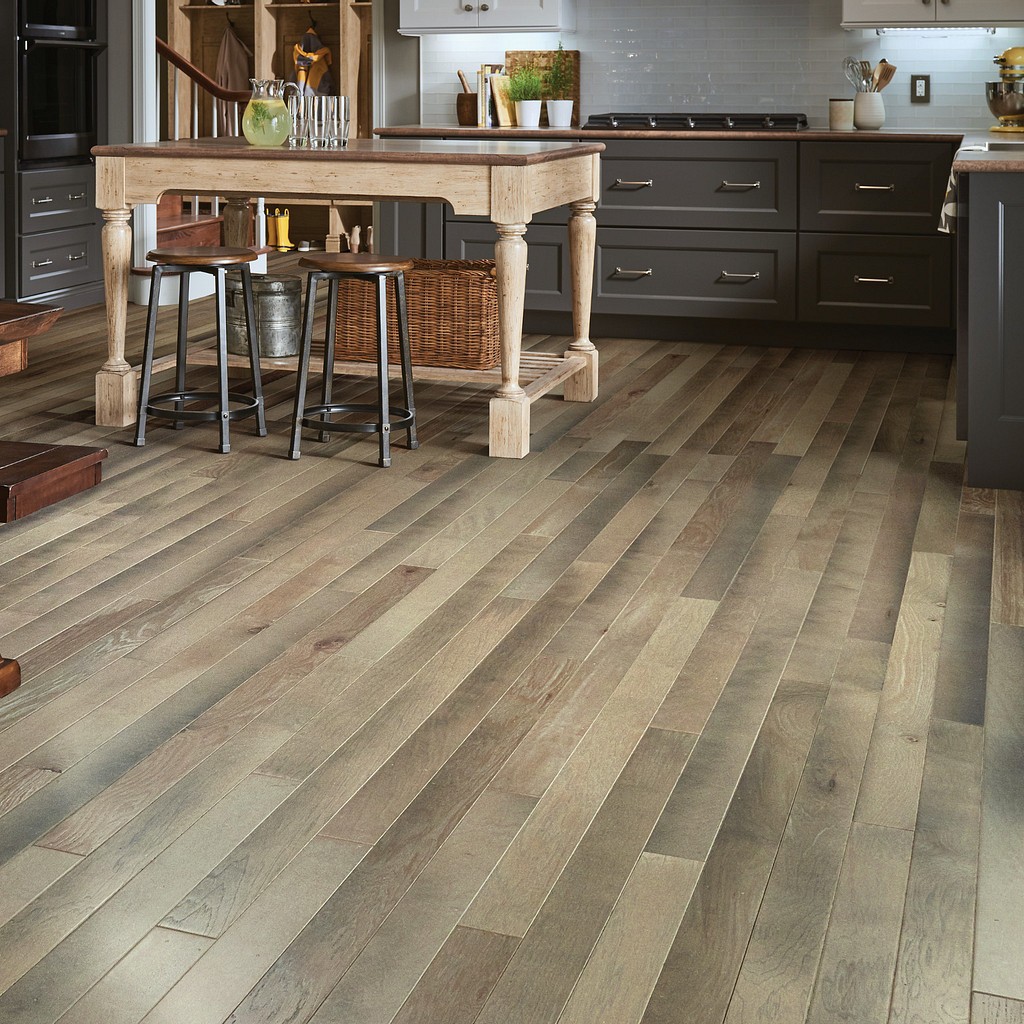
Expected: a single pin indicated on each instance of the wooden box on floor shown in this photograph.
(33, 476)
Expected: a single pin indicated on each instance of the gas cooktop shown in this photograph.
(700, 122)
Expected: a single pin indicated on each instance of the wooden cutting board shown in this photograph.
(542, 60)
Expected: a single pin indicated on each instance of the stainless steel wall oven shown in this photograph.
(59, 76)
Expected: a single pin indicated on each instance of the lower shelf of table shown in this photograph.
(539, 372)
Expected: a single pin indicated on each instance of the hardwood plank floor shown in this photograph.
(706, 712)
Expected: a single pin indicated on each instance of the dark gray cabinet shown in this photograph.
(870, 250)
(873, 186)
(696, 273)
(867, 279)
(757, 229)
(994, 351)
(671, 184)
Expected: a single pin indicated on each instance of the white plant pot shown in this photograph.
(559, 113)
(868, 111)
(528, 113)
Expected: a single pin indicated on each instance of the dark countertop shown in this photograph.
(450, 131)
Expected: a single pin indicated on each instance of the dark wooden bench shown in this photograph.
(20, 321)
(33, 476)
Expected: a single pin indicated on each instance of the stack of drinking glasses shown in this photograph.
(319, 122)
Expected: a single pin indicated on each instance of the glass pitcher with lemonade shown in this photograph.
(266, 121)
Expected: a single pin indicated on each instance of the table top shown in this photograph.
(462, 152)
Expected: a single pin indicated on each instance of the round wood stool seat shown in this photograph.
(224, 405)
(354, 263)
(382, 416)
(202, 256)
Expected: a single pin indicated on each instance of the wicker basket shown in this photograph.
(452, 309)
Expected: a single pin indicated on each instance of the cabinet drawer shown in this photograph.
(61, 197)
(547, 275)
(696, 273)
(60, 259)
(875, 279)
(873, 186)
(698, 184)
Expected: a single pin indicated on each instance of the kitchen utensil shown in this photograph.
(885, 72)
(851, 68)
(1006, 101)
(1006, 97)
(463, 80)
(265, 121)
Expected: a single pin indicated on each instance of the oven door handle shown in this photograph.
(75, 44)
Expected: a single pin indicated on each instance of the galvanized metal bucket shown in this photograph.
(278, 303)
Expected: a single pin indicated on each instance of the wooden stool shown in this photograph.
(208, 260)
(334, 267)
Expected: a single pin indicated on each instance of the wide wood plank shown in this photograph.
(333, 743)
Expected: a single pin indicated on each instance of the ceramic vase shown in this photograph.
(868, 111)
(559, 113)
(528, 113)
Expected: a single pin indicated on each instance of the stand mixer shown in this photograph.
(1006, 97)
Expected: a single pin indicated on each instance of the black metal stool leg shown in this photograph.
(181, 356)
(254, 355)
(303, 369)
(147, 357)
(222, 362)
(406, 355)
(327, 390)
(383, 397)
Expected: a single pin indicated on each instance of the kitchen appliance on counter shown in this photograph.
(705, 121)
(1006, 97)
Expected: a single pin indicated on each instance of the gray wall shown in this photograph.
(783, 55)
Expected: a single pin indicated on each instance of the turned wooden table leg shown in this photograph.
(509, 408)
(116, 383)
(582, 386)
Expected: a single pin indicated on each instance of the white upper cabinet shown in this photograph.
(930, 13)
(419, 16)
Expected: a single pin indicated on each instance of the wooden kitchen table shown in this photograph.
(507, 181)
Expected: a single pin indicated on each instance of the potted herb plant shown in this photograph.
(525, 88)
(558, 85)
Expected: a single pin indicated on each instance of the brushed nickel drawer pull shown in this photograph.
(621, 271)
(874, 188)
(741, 184)
(43, 201)
(619, 183)
(36, 264)
(726, 276)
(75, 198)
(80, 256)
(857, 279)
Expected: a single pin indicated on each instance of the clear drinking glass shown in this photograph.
(338, 122)
(321, 114)
(298, 111)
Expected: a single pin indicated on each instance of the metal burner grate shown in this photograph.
(699, 122)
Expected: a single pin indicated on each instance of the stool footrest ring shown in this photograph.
(399, 418)
(247, 405)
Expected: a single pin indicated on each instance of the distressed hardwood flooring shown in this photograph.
(707, 711)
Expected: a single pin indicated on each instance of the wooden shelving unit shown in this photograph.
(270, 31)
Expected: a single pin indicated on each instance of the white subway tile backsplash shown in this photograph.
(734, 55)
